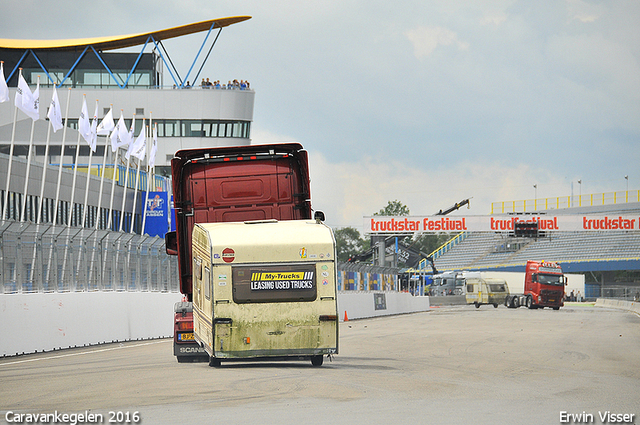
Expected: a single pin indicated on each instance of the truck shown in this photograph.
(544, 285)
(481, 289)
(448, 283)
(229, 184)
(272, 296)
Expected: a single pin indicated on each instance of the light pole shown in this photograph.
(535, 199)
(580, 195)
(626, 195)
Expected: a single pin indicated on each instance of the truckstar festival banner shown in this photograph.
(546, 223)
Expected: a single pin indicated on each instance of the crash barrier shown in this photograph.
(365, 304)
(37, 258)
(448, 300)
(620, 304)
(49, 321)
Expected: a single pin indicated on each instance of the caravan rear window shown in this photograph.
(497, 287)
(281, 283)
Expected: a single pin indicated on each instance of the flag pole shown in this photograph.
(86, 192)
(126, 175)
(45, 165)
(113, 183)
(64, 137)
(135, 192)
(124, 194)
(23, 213)
(146, 194)
(13, 138)
(104, 164)
(75, 176)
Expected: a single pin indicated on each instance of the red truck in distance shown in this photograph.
(229, 184)
(544, 285)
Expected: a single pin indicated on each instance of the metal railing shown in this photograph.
(590, 200)
(47, 258)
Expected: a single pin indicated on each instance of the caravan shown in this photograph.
(485, 290)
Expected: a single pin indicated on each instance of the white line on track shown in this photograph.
(82, 353)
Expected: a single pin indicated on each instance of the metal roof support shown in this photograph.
(73, 67)
(108, 69)
(137, 60)
(208, 53)
(24, 55)
(213, 24)
(159, 43)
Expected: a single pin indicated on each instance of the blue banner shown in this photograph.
(157, 211)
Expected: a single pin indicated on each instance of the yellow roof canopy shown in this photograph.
(120, 42)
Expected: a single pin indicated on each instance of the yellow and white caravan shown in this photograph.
(265, 290)
(485, 290)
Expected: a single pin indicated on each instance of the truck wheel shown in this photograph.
(495, 305)
(476, 304)
(516, 302)
(214, 362)
(556, 308)
(317, 360)
(530, 302)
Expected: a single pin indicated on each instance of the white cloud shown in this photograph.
(493, 17)
(426, 39)
(348, 191)
(584, 12)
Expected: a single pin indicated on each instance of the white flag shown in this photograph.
(54, 114)
(4, 90)
(26, 101)
(94, 129)
(139, 147)
(106, 125)
(119, 135)
(84, 126)
(130, 137)
(154, 148)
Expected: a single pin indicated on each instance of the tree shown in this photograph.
(394, 208)
(349, 243)
(429, 242)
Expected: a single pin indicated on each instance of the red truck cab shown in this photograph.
(230, 184)
(544, 285)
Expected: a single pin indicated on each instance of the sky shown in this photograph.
(421, 101)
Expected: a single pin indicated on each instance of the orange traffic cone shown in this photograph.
(346, 319)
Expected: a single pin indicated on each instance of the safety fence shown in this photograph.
(47, 258)
(543, 204)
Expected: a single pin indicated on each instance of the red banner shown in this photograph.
(546, 223)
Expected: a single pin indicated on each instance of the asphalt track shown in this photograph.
(451, 365)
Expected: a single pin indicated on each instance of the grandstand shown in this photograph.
(601, 256)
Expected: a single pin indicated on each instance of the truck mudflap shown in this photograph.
(185, 348)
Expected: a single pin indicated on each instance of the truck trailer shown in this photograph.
(229, 184)
(265, 290)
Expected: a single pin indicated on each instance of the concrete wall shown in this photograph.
(52, 321)
(44, 322)
(623, 305)
(362, 304)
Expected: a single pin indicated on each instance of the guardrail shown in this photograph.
(38, 258)
(543, 204)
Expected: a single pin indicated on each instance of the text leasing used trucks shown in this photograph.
(229, 184)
